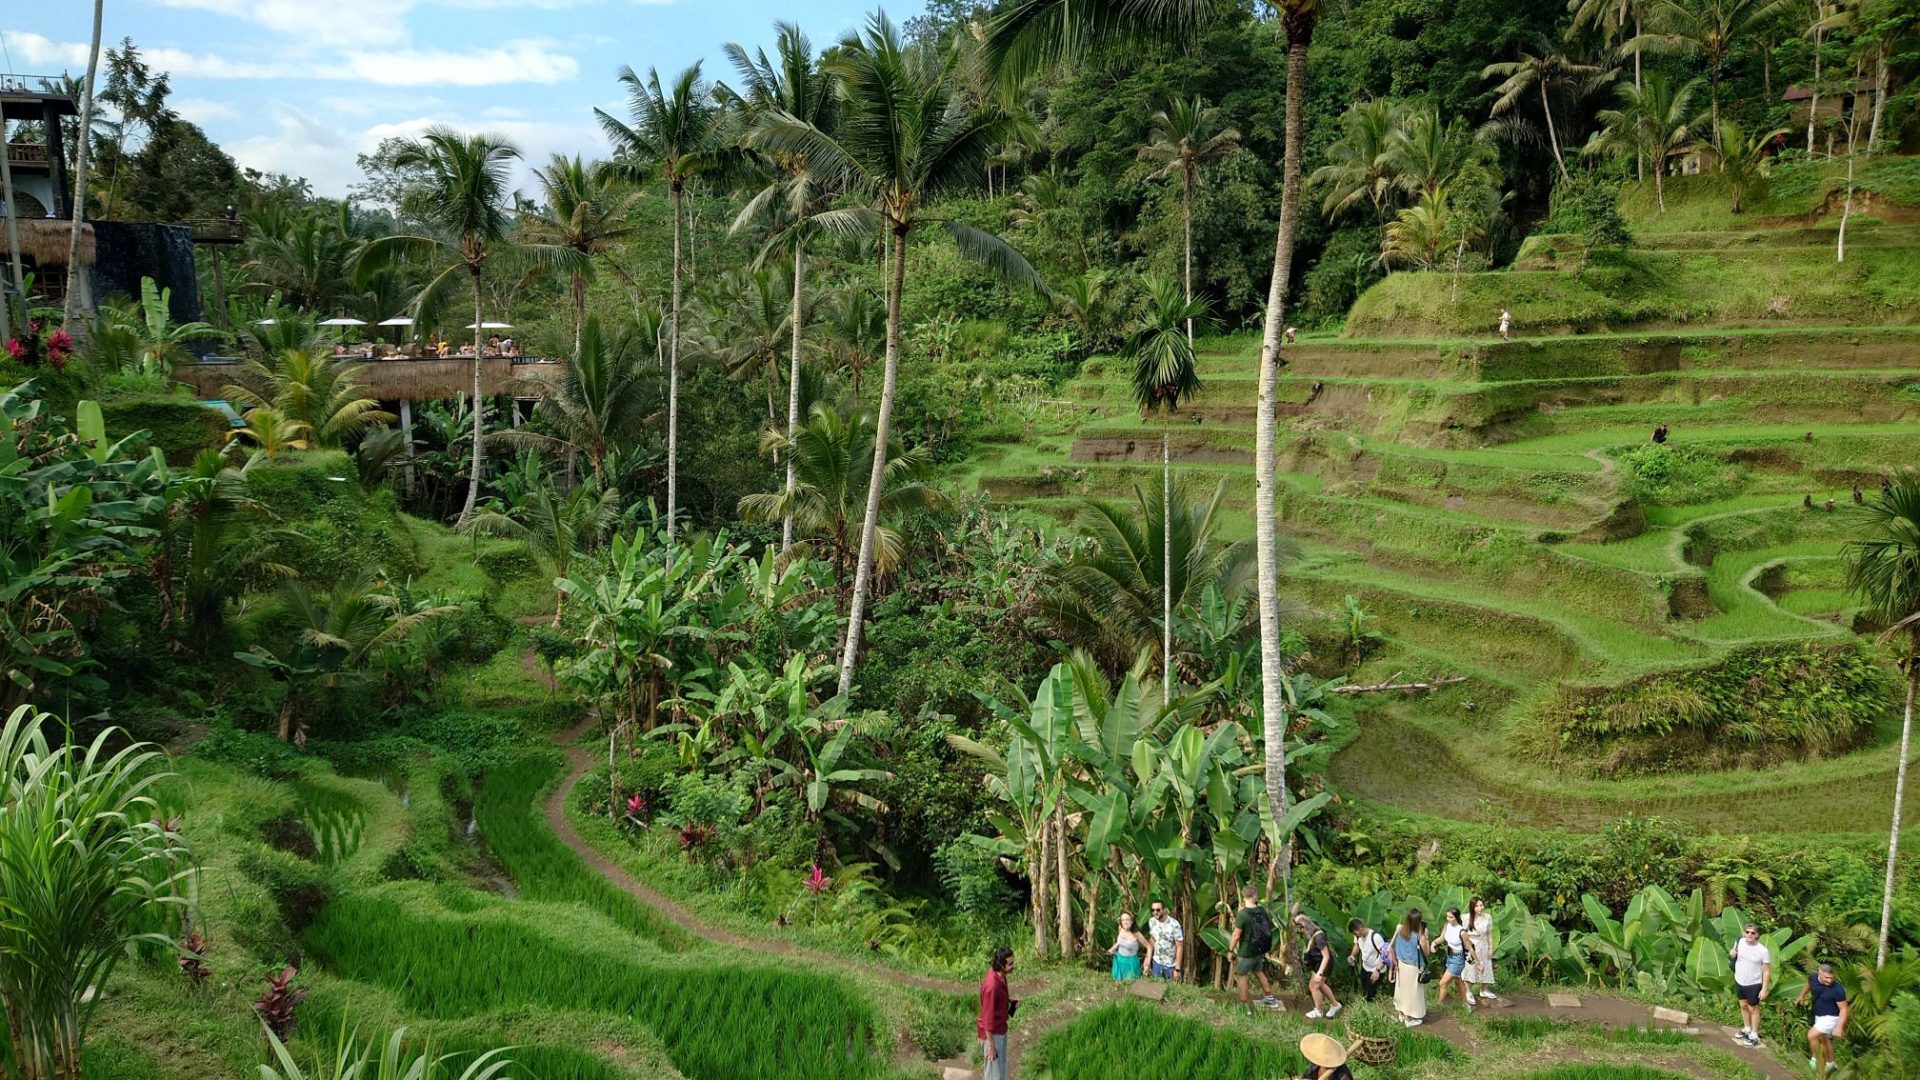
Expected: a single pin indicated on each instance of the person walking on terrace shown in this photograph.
(1317, 961)
(1506, 323)
(1453, 937)
(996, 1006)
(1128, 945)
(1169, 943)
(1369, 955)
(1752, 981)
(1478, 925)
(1252, 941)
(1830, 1012)
(1410, 950)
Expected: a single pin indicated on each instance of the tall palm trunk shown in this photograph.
(793, 382)
(882, 432)
(479, 414)
(1879, 96)
(1063, 900)
(673, 386)
(1037, 878)
(1899, 794)
(1186, 182)
(13, 245)
(80, 166)
(1166, 566)
(1553, 137)
(1639, 160)
(578, 284)
(1813, 105)
(1273, 705)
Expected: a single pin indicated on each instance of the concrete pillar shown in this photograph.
(62, 204)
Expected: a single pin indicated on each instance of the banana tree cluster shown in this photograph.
(1110, 797)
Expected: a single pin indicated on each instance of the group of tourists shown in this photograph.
(1463, 942)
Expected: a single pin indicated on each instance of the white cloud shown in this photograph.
(526, 62)
(332, 22)
(201, 110)
(302, 146)
(37, 51)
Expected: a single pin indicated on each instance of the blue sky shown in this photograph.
(301, 86)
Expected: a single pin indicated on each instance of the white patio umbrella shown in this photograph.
(342, 320)
(492, 326)
(397, 320)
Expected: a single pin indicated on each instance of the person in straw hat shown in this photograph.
(1326, 1055)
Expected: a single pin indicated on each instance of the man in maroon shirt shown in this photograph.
(995, 1007)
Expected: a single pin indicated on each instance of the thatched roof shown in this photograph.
(46, 240)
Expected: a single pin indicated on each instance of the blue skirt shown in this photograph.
(1126, 968)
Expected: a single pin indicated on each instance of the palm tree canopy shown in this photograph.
(583, 205)
(1024, 37)
(1883, 560)
(1539, 64)
(1164, 373)
(675, 128)
(1654, 119)
(603, 399)
(1357, 165)
(1186, 135)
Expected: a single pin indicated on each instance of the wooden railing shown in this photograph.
(402, 379)
(26, 153)
(217, 230)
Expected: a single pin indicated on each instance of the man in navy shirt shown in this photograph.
(1830, 1011)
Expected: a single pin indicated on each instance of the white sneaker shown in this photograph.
(1315, 1014)
(1334, 1010)
(1489, 995)
(1814, 1064)
(1415, 1023)
(1471, 1002)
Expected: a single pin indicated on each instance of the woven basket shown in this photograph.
(1370, 1050)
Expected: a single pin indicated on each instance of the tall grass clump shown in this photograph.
(1132, 1039)
(507, 808)
(716, 1021)
(86, 876)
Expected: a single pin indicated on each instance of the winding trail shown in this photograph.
(1600, 1010)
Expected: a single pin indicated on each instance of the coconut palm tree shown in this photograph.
(1024, 37)
(599, 404)
(1181, 139)
(86, 875)
(1112, 596)
(1164, 375)
(1419, 234)
(212, 546)
(308, 389)
(1709, 29)
(1357, 169)
(1883, 571)
(468, 176)
(856, 324)
(1616, 19)
(80, 163)
(586, 208)
(678, 130)
(268, 429)
(1652, 123)
(1424, 154)
(1742, 160)
(555, 527)
(752, 318)
(793, 86)
(1297, 20)
(833, 456)
(1538, 69)
(905, 137)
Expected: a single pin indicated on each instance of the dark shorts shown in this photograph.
(1748, 994)
(1248, 965)
(1313, 961)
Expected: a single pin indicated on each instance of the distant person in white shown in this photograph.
(1506, 323)
(1752, 980)
(1292, 332)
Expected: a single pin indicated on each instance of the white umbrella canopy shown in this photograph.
(397, 320)
(491, 326)
(342, 321)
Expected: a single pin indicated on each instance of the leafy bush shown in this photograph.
(1666, 474)
(970, 875)
(1762, 702)
(180, 426)
(478, 741)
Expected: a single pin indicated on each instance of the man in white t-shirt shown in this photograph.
(1169, 943)
(1752, 979)
(1370, 952)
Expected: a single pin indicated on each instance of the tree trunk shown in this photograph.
(1659, 189)
(1553, 137)
(1166, 566)
(578, 283)
(13, 244)
(1037, 883)
(882, 432)
(478, 464)
(1273, 705)
(1713, 90)
(673, 386)
(1186, 182)
(1813, 105)
(1063, 899)
(1879, 96)
(1899, 794)
(1639, 160)
(80, 172)
(1846, 208)
(793, 379)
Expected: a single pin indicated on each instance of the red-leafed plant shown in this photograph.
(692, 836)
(278, 1001)
(817, 882)
(193, 957)
(636, 808)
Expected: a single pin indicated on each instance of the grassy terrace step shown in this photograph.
(1651, 290)
(1545, 251)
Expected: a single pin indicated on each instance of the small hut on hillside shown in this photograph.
(44, 246)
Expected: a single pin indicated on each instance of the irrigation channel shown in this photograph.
(1601, 1010)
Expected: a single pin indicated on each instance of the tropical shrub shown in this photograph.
(1666, 474)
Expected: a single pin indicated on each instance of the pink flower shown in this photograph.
(60, 342)
(637, 805)
(15, 349)
(817, 882)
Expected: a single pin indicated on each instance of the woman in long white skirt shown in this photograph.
(1410, 948)
(1479, 931)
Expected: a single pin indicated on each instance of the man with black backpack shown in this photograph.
(1252, 941)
